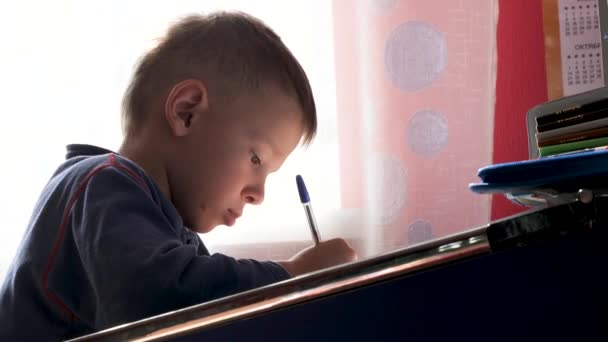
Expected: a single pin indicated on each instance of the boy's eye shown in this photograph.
(255, 160)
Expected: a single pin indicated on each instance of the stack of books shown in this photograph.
(572, 130)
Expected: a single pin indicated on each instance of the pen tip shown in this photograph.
(302, 191)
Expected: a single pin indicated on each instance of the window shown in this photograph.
(65, 67)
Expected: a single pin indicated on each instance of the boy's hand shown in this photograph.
(325, 254)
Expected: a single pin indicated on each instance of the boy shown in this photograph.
(211, 111)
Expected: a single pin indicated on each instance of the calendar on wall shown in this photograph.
(581, 46)
(573, 44)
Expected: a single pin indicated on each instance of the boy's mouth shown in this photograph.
(235, 213)
(232, 216)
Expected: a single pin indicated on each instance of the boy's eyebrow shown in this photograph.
(275, 151)
(267, 140)
(274, 147)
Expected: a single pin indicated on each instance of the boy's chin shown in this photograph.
(203, 227)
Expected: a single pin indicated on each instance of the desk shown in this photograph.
(534, 276)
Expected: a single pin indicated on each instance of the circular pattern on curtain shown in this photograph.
(415, 55)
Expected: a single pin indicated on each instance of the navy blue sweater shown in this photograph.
(104, 247)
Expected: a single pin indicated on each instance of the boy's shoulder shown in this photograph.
(101, 175)
(86, 161)
(93, 178)
(84, 158)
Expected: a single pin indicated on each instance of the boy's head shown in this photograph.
(222, 102)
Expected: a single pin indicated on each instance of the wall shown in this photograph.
(521, 84)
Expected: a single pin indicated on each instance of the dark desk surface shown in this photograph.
(393, 291)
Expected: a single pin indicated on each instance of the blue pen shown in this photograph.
(305, 199)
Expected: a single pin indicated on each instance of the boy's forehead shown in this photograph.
(271, 117)
(280, 135)
(281, 130)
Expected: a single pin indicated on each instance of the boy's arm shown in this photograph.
(137, 264)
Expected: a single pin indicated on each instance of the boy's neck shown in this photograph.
(150, 162)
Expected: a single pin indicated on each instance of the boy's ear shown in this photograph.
(185, 104)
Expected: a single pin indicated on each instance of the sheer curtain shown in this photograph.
(415, 95)
(404, 92)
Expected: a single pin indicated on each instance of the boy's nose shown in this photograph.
(254, 194)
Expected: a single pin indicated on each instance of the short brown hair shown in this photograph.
(235, 50)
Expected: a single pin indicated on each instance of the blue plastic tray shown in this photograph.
(562, 173)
